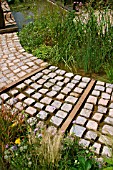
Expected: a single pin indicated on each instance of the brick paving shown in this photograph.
(15, 63)
(49, 96)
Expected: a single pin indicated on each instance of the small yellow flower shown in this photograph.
(17, 141)
(14, 124)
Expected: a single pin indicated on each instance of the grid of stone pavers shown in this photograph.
(94, 123)
(14, 61)
(49, 95)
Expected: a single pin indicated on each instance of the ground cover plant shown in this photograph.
(72, 40)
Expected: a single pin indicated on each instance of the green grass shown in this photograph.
(72, 40)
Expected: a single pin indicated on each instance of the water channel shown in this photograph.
(25, 13)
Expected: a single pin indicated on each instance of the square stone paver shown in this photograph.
(97, 117)
(77, 130)
(30, 110)
(42, 115)
(103, 102)
(29, 101)
(66, 107)
(92, 125)
(56, 120)
(71, 99)
(107, 129)
(80, 120)
(61, 114)
(88, 106)
(86, 113)
(50, 109)
(46, 100)
(57, 104)
(91, 135)
(102, 109)
(92, 99)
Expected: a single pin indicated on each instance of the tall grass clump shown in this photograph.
(76, 41)
(27, 147)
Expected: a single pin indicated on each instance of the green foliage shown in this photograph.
(74, 40)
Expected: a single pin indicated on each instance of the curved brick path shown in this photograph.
(15, 63)
(54, 97)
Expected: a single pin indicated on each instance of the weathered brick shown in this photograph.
(69, 75)
(59, 78)
(56, 120)
(77, 130)
(84, 142)
(82, 85)
(42, 115)
(43, 91)
(37, 96)
(46, 100)
(109, 120)
(100, 83)
(96, 93)
(52, 75)
(78, 90)
(32, 121)
(105, 96)
(30, 110)
(92, 99)
(107, 151)
(88, 106)
(56, 88)
(35, 86)
(71, 99)
(60, 72)
(80, 120)
(78, 77)
(13, 92)
(66, 107)
(111, 112)
(96, 147)
(107, 129)
(70, 85)
(50, 109)
(66, 80)
(41, 81)
(103, 102)
(21, 86)
(4, 96)
(29, 91)
(99, 88)
(48, 85)
(65, 90)
(111, 106)
(57, 104)
(109, 90)
(21, 96)
(60, 96)
(85, 112)
(86, 79)
(102, 109)
(51, 93)
(91, 135)
(39, 105)
(92, 125)
(97, 116)
(61, 114)
(29, 101)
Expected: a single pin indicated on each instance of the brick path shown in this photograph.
(55, 97)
